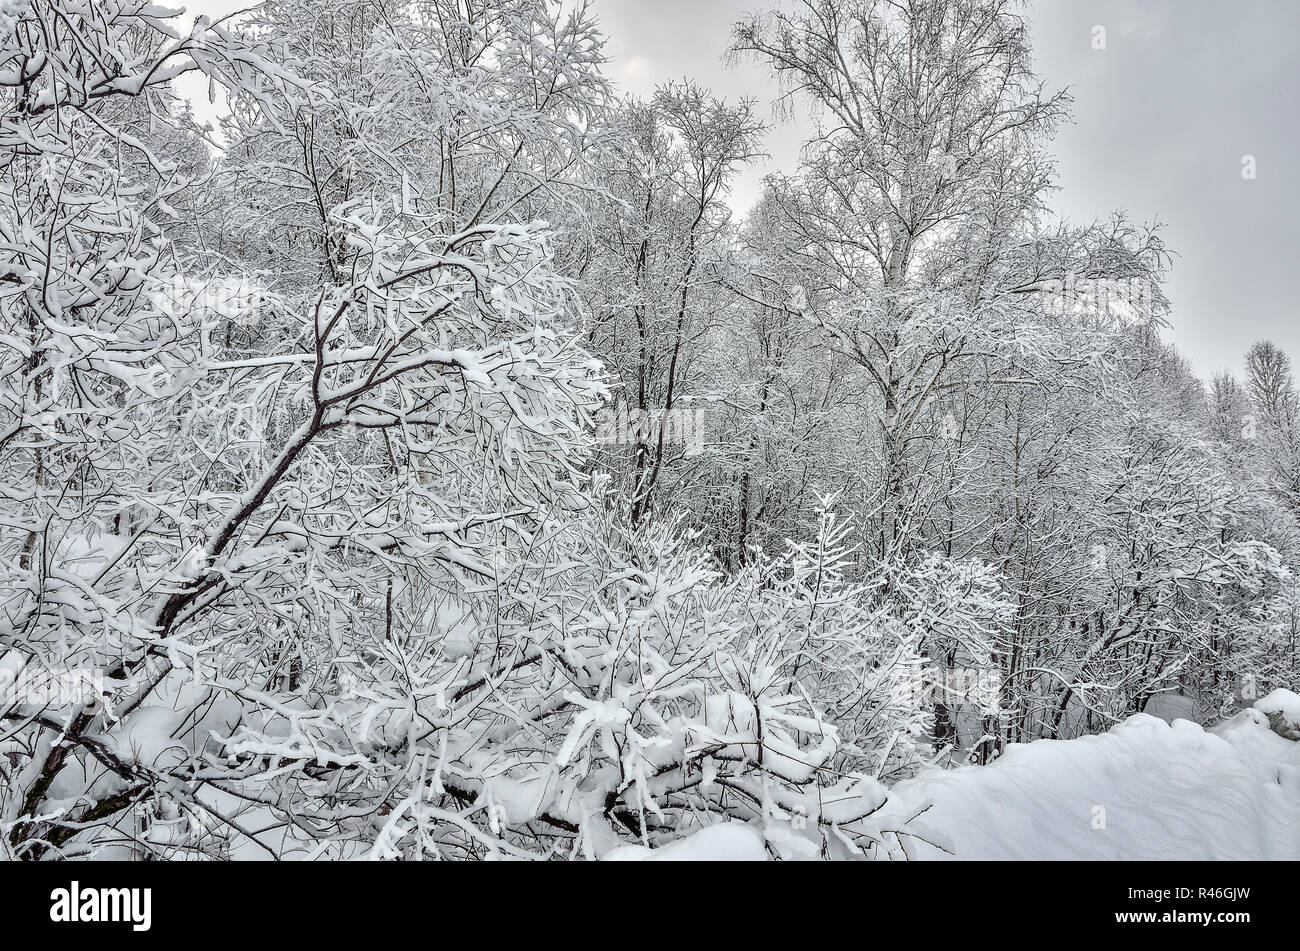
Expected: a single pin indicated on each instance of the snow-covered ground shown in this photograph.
(1146, 789)
(724, 842)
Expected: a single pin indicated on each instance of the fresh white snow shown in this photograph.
(1145, 790)
(1282, 707)
(726, 841)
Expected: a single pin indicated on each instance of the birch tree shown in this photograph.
(924, 168)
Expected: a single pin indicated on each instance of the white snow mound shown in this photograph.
(724, 842)
(1144, 790)
(1282, 707)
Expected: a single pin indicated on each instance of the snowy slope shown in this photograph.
(1146, 789)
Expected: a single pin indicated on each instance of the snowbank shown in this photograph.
(724, 842)
(1144, 790)
(1282, 707)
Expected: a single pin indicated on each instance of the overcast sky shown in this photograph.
(1162, 119)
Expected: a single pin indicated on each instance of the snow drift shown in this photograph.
(1145, 790)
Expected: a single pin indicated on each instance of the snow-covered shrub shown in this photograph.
(848, 650)
(606, 690)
